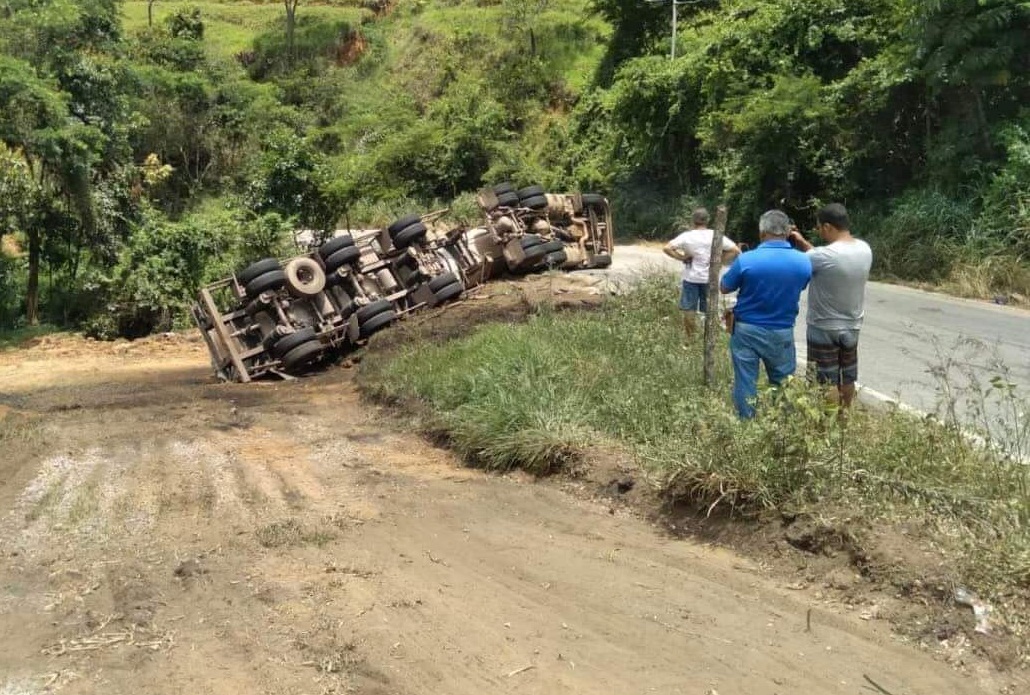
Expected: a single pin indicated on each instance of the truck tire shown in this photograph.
(265, 265)
(272, 280)
(345, 256)
(535, 202)
(302, 355)
(507, 200)
(532, 257)
(304, 277)
(377, 323)
(592, 199)
(601, 260)
(409, 235)
(447, 293)
(530, 240)
(370, 310)
(530, 192)
(403, 223)
(553, 245)
(504, 187)
(335, 244)
(555, 259)
(293, 340)
(441, 281)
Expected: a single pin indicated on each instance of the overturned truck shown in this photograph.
(282, 316)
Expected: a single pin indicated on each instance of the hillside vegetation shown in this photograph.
(140, 160)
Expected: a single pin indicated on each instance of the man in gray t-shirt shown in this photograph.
(836, 300)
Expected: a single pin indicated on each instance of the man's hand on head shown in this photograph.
(798, 240)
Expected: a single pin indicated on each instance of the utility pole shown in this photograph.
(672, 55)
(675, 18)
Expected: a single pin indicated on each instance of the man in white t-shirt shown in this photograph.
(694, 249)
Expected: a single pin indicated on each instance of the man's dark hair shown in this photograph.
(834, 214)
(699, 217)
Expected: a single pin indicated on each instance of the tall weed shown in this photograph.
(919, 237)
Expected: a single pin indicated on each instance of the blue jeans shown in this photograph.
(750, 345)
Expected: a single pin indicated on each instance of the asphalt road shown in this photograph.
(908, 335)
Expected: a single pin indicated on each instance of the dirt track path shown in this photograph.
(162, 534)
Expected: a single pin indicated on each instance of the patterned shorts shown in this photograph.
(833, 355)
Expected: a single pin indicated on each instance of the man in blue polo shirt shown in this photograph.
(770, 281)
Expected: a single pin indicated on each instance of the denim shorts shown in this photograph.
(833, 355)
(694, 297)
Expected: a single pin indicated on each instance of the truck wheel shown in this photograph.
(592, 199)
(447, 293)
(601, 260)
(378, 307)
(553, 245)
(302, 355)
(345, 256)
(504, 187)
(377, 322)
(555, 259)
(530, 192)
(533, 257)
(530, 240)
(535, 202)
(507, 200)
(304, 277)
(335, 244)
(265, 265)
(409, 235)
(293, 340)
(403, 223)
(441, 281)
(272, 280)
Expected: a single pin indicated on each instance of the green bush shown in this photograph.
(12, 282)
(317, 44)
(919, 235)
(1006, 200)
(164, 263)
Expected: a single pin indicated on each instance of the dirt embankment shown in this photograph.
(162, 533)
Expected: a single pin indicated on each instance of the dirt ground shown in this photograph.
(163, 533)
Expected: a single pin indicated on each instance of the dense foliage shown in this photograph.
(139, 159)
(792, 103)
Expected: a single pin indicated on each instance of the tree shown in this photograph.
(65, 114)
(973, 52)
(291, 24)
(712, 315)
(520, 17)
(58, 155)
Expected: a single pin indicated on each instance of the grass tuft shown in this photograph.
(291, 533)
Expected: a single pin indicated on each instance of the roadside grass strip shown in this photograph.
(540, 394)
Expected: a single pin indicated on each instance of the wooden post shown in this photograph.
(712, 316)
